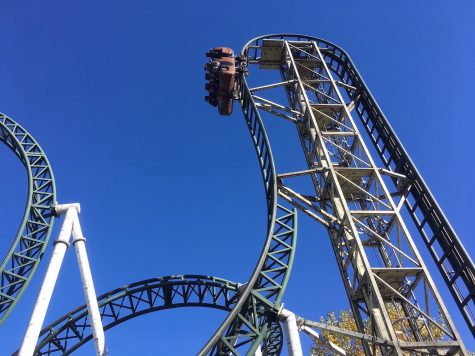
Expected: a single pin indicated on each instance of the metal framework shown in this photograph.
(358, 198)
(73, 330)
(359, 201)
(21, 260)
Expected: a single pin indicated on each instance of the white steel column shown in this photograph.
(42, 302)
(337, 350)
(89, 291)
(79, 243)
(294, 346)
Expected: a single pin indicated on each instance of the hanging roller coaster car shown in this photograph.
(221, 77)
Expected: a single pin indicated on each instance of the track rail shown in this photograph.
(451, 258)
(21, 260)
(247, 325)
(73, 330)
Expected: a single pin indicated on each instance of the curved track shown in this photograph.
(22, 258)
(248, 323)
(73, 330)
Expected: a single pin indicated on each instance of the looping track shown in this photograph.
(247, 324)
(22, 258)
(73, 330)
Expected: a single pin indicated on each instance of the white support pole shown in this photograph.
(294, 346)
(258, 351)
(89, 291)
(337, 350)
(42, 302)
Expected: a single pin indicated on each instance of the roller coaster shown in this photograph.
(21, 260)
(356, 192)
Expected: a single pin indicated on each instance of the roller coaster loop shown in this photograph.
(21, 260)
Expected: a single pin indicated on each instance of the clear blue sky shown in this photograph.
(113, 91)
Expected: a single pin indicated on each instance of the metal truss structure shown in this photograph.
(359, 201)
(73, 330)
(21, 260)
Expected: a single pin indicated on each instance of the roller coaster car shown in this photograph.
(221, 77)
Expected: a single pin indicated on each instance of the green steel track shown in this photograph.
(73, 330)
(21, 260)
(247, 325)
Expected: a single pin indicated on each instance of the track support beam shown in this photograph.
(390, 290)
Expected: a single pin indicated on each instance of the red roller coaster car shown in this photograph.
(221, 77)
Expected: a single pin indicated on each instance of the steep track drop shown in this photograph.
(454, 263)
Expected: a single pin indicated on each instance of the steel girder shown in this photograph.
(343, 172)
(27, 248)
(73, 330)
(248, 324)
(454, 263)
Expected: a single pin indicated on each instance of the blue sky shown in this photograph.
(113, 91)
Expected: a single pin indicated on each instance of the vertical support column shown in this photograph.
(361, 265)
(292, 336)
(44, 297)
(79, 243)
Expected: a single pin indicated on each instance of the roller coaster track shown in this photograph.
(247, 325)
(73, 330)
(452, 260)
(21, 260)
(252, 319)
(454, 263)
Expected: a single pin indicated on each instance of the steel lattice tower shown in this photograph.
(359, 200)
